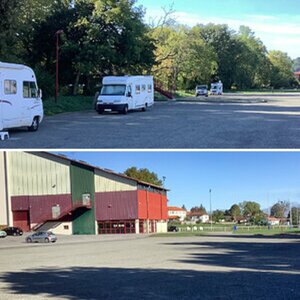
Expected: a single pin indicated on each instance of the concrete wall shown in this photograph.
(162, 227)
(3, 193)
(105, 182)
(64, 228)
(31, 175)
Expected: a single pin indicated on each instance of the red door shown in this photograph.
(21, 219)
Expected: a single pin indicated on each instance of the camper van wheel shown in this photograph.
(145, 107)
(100, 111)
(35, 124)
(125, 110)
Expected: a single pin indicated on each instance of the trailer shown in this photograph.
(216, 88)
(20, 99)
(124, 93)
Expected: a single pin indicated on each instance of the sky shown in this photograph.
(275, 22)
(233, 177)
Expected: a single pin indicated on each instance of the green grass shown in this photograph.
(159, 97)
(183, 94)
(67, 104)
(266, 231)
(180, 234)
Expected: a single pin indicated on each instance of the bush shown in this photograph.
(46, 82)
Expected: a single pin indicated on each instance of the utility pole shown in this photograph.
(210, 210)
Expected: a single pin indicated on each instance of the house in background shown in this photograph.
(198, 217)
(176, 213)
(297, 75)
(273, 221)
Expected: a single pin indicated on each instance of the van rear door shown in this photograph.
(29, 102)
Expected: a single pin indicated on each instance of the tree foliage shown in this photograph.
(296, 65)
(235, 211)
(199, 209)
(145, 175)
(110, 37)
(280, 209)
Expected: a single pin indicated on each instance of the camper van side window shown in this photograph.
(143, 88)
(10, 87)
(138, 89)
(29, 89)
(149, 88)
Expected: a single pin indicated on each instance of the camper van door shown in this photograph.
(10, 113)
(29, 101)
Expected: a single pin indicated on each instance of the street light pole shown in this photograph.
(210, 210)
(57, 34)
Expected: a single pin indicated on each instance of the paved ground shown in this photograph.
(231, 122)
(204, 267)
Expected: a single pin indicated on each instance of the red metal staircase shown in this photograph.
(68, 212)
(160, 88)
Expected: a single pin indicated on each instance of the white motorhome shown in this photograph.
(216, 88)
(124, 93)
(20, 100)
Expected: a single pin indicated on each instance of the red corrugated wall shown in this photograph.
(156, 208)
(40, 207)
(116, 206)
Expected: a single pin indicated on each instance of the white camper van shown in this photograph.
(216, 88)
(124, 93)
(20, 100)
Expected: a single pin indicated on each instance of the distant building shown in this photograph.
(198, 217)
(273, 221)
(176, 213)
(297, 75)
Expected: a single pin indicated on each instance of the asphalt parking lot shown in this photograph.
(229, 122)
(139, 267)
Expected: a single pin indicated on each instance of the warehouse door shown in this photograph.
(116, 227)
(21, 219)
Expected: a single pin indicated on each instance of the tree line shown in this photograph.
(111, 37)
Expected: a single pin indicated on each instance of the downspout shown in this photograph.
(6, 189)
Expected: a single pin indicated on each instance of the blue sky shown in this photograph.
(275, 22)
(265, 177)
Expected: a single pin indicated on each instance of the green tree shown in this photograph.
(280, 209)
(250, 209)
(296, 65)
(281, 71)
(145, 175)
(295, 215)
(199, 209)
(222, 39)
(217, 215)
(235, 211)
(8, 32)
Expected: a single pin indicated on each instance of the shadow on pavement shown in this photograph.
(115, 283)
(259, 255)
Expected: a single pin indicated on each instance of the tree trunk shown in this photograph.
(76, 83)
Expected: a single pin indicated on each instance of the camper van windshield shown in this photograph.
(113, 90)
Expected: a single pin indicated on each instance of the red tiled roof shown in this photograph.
(175, 208)
(297, 73)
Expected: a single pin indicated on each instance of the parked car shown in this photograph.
(3, 234)
(173, 229)
(13, 231)
(202, 90)
(42, 237)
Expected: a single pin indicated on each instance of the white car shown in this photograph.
(3, 234)
(202, 90)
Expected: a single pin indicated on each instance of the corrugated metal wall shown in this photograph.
(34, 175)
(82, 182)
(105, 182)
(116, 206)
(155, 208)
(40, 207)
